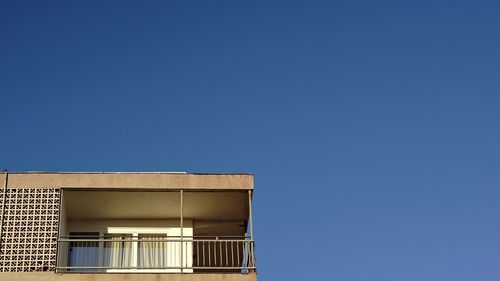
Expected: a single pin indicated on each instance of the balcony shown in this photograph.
(103, 231)
(130, 253)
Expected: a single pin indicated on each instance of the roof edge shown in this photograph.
(119, 172)
(143, 180)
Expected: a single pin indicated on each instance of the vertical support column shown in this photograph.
(182, 229)
(251, 257)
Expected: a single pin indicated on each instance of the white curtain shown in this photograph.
(153, 252)
(118, 254)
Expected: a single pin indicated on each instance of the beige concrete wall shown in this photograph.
(49, 276)
(129, 180)
(104, 225)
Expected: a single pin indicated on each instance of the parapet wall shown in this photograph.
(138, 180)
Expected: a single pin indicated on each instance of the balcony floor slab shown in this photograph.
(50, 276)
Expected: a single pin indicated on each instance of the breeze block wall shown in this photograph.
(29, 222)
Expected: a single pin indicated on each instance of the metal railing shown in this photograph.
(155, 253)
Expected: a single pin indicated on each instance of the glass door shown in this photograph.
(153, 251)
(84, 255)
(119, 251)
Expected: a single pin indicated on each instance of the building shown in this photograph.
(104, 226)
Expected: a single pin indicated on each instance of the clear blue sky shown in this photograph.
(373, 127)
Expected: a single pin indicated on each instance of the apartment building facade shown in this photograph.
(126, 226)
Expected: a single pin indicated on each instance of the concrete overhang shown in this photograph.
(199, 205)
(133, 180)
(214, 213)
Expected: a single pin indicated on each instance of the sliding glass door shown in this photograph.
(136, 251)
(84, 252)
(120, 253)
(131, 249)
(152, 251)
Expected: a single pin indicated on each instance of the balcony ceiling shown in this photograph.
(231, 205)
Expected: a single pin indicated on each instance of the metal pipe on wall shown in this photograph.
(250, 220)
(3, 203)
(182, 228)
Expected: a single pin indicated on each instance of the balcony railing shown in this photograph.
(155, 253)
